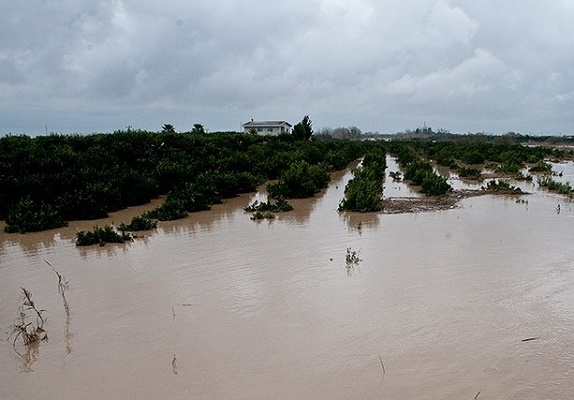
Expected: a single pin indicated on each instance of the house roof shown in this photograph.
(265, 124)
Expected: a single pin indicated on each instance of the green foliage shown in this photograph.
(519, 176)
(168, 128)
(279, 205)
(364, 192)
(435, 185)
(467, 172)
(140, 223)
(170, 210)
(561, 188)
(497, 185)
(508, 168)
(472, 157)
(47, 180)
(417, 171)
(445, 157)
(29, 216)
(541, 167)
(300, 180)
(420, 172)
(304, 129)
(101, 236)
(198, 128)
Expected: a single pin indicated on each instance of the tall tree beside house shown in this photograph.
(304, 129)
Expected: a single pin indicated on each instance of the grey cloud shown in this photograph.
(384, 65)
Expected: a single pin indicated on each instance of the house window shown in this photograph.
(269, 129)
(259, 129)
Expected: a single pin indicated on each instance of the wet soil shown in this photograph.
(400, 205)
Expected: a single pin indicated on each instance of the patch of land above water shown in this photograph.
(402, 205)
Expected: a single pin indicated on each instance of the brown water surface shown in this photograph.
(217, 306)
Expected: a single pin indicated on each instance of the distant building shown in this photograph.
(272, 128)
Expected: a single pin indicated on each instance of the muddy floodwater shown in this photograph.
(473, 302)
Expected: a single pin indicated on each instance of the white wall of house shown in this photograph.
(268, 128)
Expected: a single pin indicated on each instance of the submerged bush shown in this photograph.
(140, 223)
(101, 236)
(435, 185)
(468, 172)
(551, 184)
(498, 185)
(262, 215)
(541, 166)
(279, 205)
(170, 210)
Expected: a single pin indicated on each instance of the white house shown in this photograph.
(272, 128)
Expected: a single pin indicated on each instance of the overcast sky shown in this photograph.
(381, 65)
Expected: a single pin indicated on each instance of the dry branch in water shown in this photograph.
(62, 287)
(174, 365)
(29, 332)
(529, 339)
(384, 372)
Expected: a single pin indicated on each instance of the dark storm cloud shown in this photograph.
(381, 65)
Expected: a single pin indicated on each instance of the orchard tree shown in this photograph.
(168, 128)
(198, 128)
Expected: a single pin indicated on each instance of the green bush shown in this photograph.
(30, 216)
(140, 223)
(561, 188)
(467, 172)
(497, 185)
(170, 210)
(101, 236)
(364, 192)
(435, 185)
(279, 205)
(417, 171)
(301, 180)
(541, 167)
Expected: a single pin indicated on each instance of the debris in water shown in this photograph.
(529, 339)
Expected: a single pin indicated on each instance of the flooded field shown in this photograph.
(474, 302)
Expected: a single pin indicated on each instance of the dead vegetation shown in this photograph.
(62, 287)
(29, 331)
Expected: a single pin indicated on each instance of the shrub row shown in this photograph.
(420, 172)
(364, 191)
(48, 180)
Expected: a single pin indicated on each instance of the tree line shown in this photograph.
(48, 180)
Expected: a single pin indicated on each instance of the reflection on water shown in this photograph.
(217, 306)
(359, 222)
(68, 336)
(28, 356)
